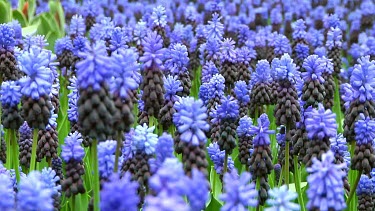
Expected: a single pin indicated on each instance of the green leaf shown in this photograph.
(215, 183)
(18, 15)
(5, 14)
(51, 38)
(57, 11)
(214, 204)
(47, 24)
(21, 3)
(29, 30)
(238, 164)
(31, 10)
(292, 186)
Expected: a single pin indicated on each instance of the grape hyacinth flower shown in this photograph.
(119, 193)
(362, 82)
(217, 156)
(198, 190)
(215, 91)
(25, 144)
(261, 88)
(364, 157)
(365, 191)
(52, 181)
(245, 57)
(164, 149)
(261, 158)
(281, 199)
(215, 29)
(245, 139)
(152, 83)
(242, 94)
(325, 190)
(329, 82)
(320, 126)
(73, 97)
(36, 87)
(282, 45)
(228, 65)
(90, 10)
(342, 155)
(313, 88)
(48, 141)
(32, 191)
(96, 118)
(143, 145)
(239, 193)
(191, 123)
(177, 64)
(172, 86)
(77, 27)
(164, 201)
(10, 98)
(8, 62)
(159, 23)
(106, 157)
(208, 71)
(64, 52)
(300, 46)
(287, 109)
(126, 71)
(334, 46)
(169, 178)
(227, 114)
(7, 201)
(72, 154)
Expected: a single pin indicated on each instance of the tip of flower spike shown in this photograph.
(153, 51)
(72, 148)
(241, 91)
(159, 17)
(285, 69)
(227, 50)
(321, 123)
(191, 120)
(215, 29)
(171, 85)
(93, 70)
(314, 67)
(7, 36)
(244, 126)
(63, 44)
(364, 130)
(177, 59)
(10, 93)
(144, 140)
(334, 38)
(228, 109)
(262, 72)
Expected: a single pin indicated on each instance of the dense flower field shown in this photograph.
(180, 105)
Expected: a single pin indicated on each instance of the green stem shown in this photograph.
(73, 203)
(96, 185)
(281, 176)
(297, 182)
(33, 150)
(9, 147)
(286, 173)
(337, 106)
(118, 149)
(225, 163)
(353, 189)
(15, 153)
(258, 188)
(286, 176)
